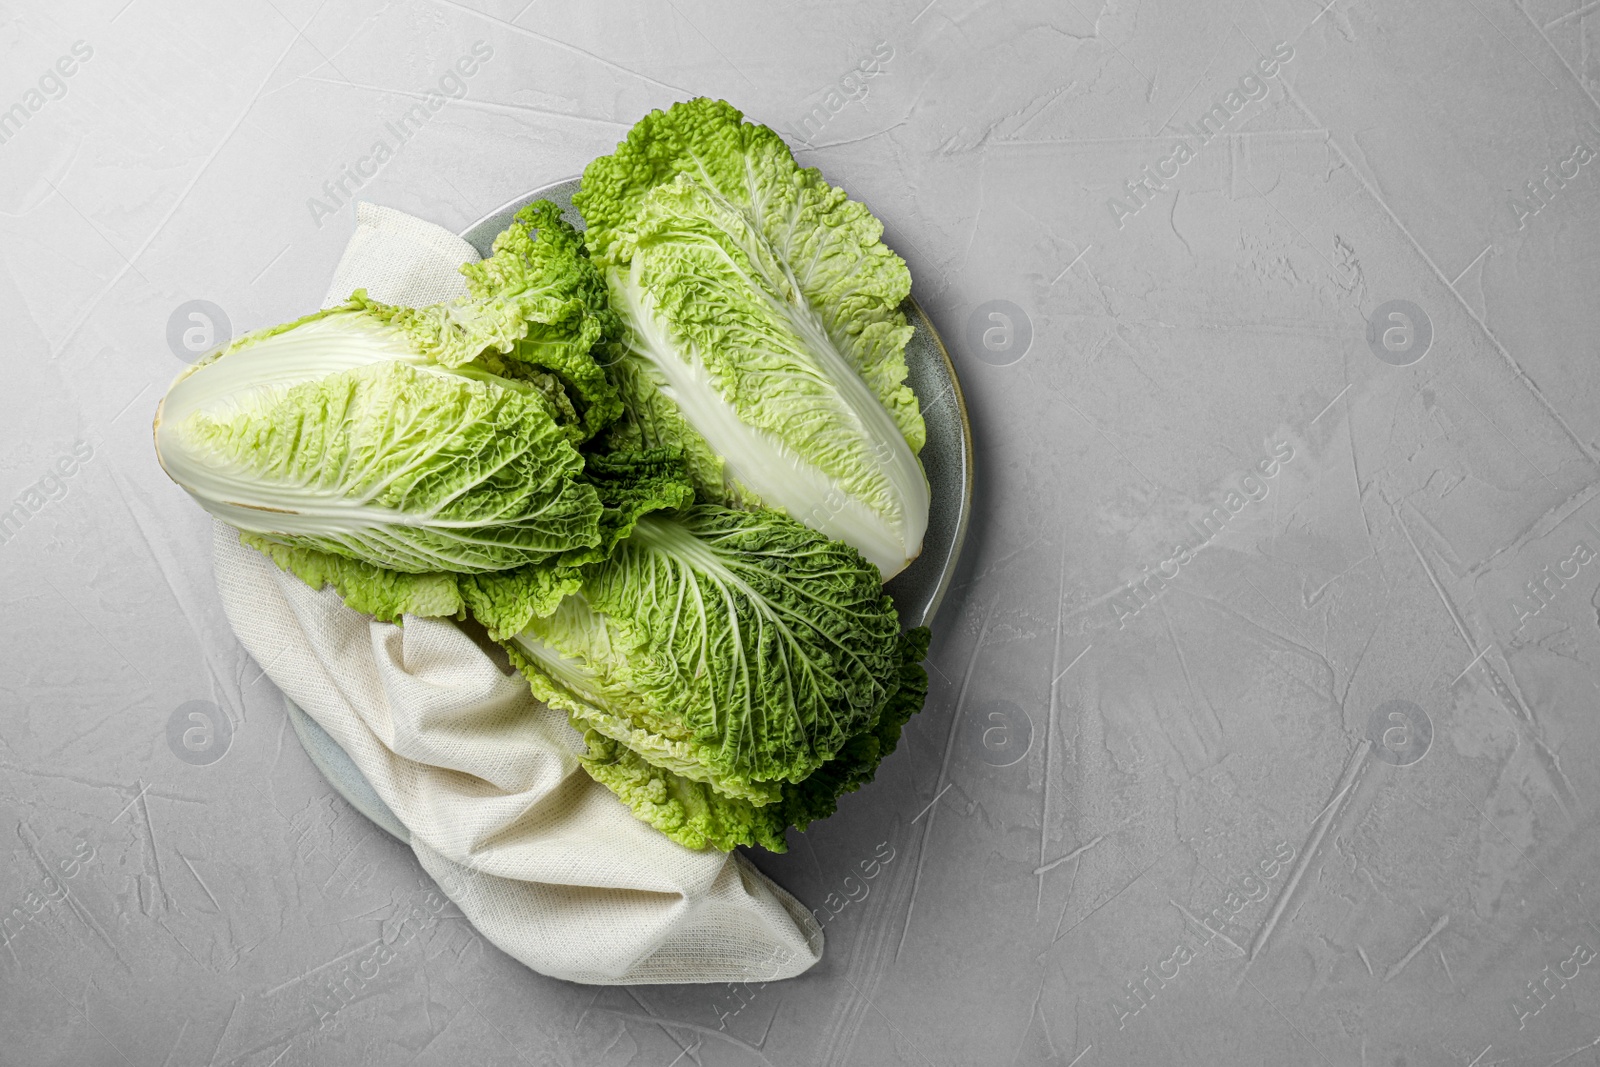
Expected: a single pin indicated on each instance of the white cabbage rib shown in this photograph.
(770, 467)
(250, 378)
(569, 670)
(259, 371)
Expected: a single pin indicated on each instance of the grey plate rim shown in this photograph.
(335, 764)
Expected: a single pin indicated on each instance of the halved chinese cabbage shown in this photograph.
(726, 655)
(413, 440)
(765, 336)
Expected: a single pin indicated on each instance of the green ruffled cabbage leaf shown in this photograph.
(733, 672)
(440, 439)
(764, 330)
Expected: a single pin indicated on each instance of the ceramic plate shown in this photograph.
(917, 590)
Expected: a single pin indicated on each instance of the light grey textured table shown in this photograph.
(1321, 788)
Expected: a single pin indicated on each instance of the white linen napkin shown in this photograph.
(543, 860)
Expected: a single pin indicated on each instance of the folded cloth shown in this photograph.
(543, 860)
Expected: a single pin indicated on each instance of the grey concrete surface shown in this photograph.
(1264, 725)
